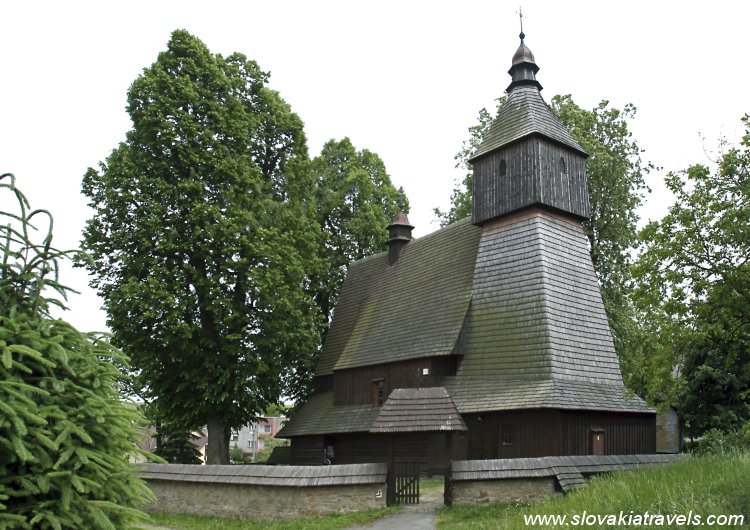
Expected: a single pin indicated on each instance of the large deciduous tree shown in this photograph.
(355, 202)
(616, 187)
(694, 293)
(201, 240)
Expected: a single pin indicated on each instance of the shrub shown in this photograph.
(720, 442)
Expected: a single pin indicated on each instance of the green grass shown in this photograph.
(327, 522)
(705, 485)
(430, 484)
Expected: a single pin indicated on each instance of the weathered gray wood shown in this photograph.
(534, 176)
(418, 410)
(568, 470)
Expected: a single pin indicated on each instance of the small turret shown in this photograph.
(399, 234)
(523, 68)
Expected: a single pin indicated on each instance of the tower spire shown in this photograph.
(523, 68)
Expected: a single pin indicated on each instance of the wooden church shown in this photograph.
(492, 327)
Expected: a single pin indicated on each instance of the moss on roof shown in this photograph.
(525, 113)
(412, 309)
(319, 416)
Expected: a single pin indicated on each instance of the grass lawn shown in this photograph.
(328, 522)
(704, 485)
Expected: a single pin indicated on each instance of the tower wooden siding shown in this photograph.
(533, 175)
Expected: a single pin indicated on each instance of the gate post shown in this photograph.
(448, 478)
(390, 481)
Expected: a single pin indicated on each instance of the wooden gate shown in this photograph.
(403, 484)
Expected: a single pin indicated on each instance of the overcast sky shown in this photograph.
(404, 79)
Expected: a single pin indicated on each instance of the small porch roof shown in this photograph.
(418, 410)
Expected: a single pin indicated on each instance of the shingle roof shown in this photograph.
(536, 311)
(525, 113)
(569, 470)
(418, 410)
(412, 309)
(483, 394)
(319, 416)
(536, 333)
(295, 476)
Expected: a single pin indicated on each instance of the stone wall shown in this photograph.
(265, 492)
(668, 432)
(503, 491)
(262, 502)
(526, 480)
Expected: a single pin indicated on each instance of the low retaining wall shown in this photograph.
(265, 492)
(529, 479)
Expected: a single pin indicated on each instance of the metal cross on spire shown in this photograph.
(520, 18)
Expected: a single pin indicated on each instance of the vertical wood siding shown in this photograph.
(540, 432)
(536, 432)
(533, 176)
(354, 386)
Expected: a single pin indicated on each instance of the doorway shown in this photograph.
(596, 444)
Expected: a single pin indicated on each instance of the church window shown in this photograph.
(503, 169)
(506, 434)
(563, 169)
(378, 390)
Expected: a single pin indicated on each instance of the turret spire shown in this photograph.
(523, 68)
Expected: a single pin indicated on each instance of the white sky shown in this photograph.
(403, 79)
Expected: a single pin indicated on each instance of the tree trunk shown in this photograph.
(217, 451)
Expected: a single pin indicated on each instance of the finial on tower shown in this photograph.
(524, 67)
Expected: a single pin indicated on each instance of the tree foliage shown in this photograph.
(355, 202)
(202, 240)
(65, 436)
(461, 194)
(616, 186)
(694, 293)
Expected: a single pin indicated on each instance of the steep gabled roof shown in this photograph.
(412, 309)
(524, 114)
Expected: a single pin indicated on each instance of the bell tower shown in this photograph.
(528, 157)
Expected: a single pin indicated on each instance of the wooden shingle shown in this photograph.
(524, 114)
(568, 470)
(260, 475)
(410, 310)
(319, 416)
(418, 410)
